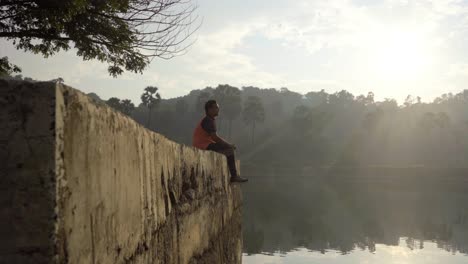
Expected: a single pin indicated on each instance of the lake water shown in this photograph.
(352, 218)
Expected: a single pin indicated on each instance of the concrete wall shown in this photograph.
(27, 172)
(107, 190)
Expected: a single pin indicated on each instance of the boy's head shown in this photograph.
(211, 108)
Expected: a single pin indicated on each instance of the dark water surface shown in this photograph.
(355, 218)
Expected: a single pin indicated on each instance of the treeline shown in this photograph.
(278, 127)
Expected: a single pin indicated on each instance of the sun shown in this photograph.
(398, 55)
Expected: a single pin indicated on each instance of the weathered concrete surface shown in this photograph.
(27, 172)
(85, 184)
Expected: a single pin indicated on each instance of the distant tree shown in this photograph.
(370, 97)
(127, 106)
(229, 99)
(16, 77)
(442, 120)
(388, 105)
(317, 98)
(409, 101)
(124, 106)
(114, 102)
(150, 99)
(341, 99)
(58, 80)
(465, 95)
(219, 94)
(372, 119)
(6, 68)
(126, 34)
(428, 120)
(202, 98)
(94, 96)
(425, 133)
(277, 108)
(253, 113)
(307, 121)
(301, 119)
(181, 107)
(284, 90)
(366, 100)
(443, 98)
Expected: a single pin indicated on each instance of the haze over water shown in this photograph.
(348, 217)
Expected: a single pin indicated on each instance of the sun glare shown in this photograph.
(398, 55)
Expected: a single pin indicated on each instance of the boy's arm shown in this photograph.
(221, 140)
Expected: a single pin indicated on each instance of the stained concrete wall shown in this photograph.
(82, 183)
(27, 172)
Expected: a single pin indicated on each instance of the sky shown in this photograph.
(391, 47)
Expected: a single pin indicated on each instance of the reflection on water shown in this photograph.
(349, 219)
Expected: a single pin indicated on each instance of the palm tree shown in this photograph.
(253, 113)
(151, 99)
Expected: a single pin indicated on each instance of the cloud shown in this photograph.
(326, 37)
(214, 59)
(458, 69)
(217, 55)
(314, 25)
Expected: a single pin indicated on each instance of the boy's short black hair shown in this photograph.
(209, 104)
